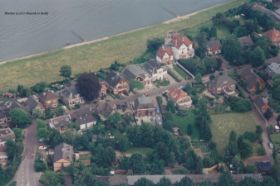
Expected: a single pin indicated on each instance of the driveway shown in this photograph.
(25, 175)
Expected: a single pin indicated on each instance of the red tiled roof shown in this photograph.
(178, 40)
(214, 45)
(162, 50)
(273, 35)
(177, 94)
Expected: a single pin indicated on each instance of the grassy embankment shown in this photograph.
(91, 57)
(223, 124)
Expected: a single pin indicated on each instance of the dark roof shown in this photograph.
(248, 75)
(259, 101)
(113, 79)
(246, 41)
(152, 66)
(133, 71)
(104, 109)
(82, 116)
(214, 45)
(63, 151)
(221, 81)
(30, 104)
(46, 96)
(264, 166)
(69, 91)
(60, 121)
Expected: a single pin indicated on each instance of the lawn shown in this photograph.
(275, 138)
(223, 124)
(182, 123)
(91, 57)
(143, 151)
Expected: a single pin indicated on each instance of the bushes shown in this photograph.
(238, 104)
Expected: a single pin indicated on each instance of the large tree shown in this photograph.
(154, 44)
(50, 178)
(257, 57)
(276, 88)
(20, 117)
(232, 51)
(88, 86)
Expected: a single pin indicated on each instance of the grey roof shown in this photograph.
(82, 116)
(69, 91)
(30, 104)
(144, 102)
(274, 67)
(221, 81)
(104, 109)
(151, 66)
(249, 76)
(63, 151)
(60, 121)
(113, 79)
(6, 134)
(133, 71)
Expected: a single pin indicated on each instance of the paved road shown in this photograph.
(25, 175)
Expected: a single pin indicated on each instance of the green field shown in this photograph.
(223, 124)
(91, 57)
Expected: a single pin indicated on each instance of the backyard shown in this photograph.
(223, 124)
(91, 57)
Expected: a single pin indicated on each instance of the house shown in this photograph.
(117, 84)
(264, 167)
(48, 99)
(60, 123)
(246, 41)
(252, 81)
(83, 118)
(214, 47)
(182, 46)
(104, 109)
(63, 156)
(146, 110)
(3, 159)
(155, 70)
(71, 97)
(31, 104)
(135, 72)
(104, 89)
(180, 97)
(273, 69)
(261, 103)
(222, 84)
(6, 134)
(274, 36)
(4, 119)
(165, 55)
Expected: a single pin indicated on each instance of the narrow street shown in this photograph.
(25, 175)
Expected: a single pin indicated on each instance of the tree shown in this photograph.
(186, 181)
(144, 182)
(50, 178)
(170, 107)
(226, 180)
(11, 149)
(154, 44)
(276, 88)
(164, 182)
(137, 164)
(257, 57)
(239, 104)
(20, 118)
(88, 86)
(232, 51)
(39, 87)
(202, 120)
(249, 182)
(245, 147)
(66, 71)
(23, 91)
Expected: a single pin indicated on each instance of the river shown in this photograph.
(33, 26)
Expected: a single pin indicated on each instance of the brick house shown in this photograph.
(60, 123)
(165, 55)
(214, 47)
(63, 156)
(222, 84)
(155, 70)
(180, 97)
(252, 81)
(117, 84)
(48, 99)
(182, 46)
(274, 36)
(261, 103)
(71, 97)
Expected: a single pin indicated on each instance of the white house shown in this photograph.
(156, 71)
(182, 46)
(165, 55)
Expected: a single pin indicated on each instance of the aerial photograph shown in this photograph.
(139, 92)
